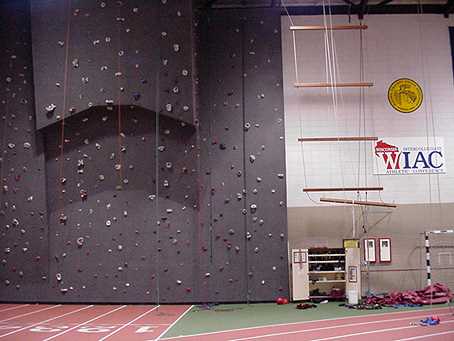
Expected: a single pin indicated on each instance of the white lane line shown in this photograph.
(83, 323)
(129, 323)
(32, 312)
(16, 307)
(51, 319)
(262, 336)
(369, 332)
(174, 323)
(429, 311)
(92, 325)
(425, 336)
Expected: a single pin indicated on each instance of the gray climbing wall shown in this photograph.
(243, 161)
(88, 53)
(165, 180)
(106, 198)
(23, 213)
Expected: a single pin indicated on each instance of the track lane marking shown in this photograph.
(129, 323)
(425, 336)
(369, 332)
(329, 327)
(416, 311)
(84, 323)
(41, 322)
(16, 307)
(173, 323)
(29, 313)
(96, 324)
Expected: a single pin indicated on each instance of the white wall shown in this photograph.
(396, 46)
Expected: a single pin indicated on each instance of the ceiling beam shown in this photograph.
(372, 9)
(449, 7)
(383, 2)
(350, 3)
(209, 3)
(362, 9)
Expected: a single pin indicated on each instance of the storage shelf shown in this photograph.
(328, 281)
(326, 261)
(327, 255)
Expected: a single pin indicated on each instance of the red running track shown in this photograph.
(89, 322)
(148, 322)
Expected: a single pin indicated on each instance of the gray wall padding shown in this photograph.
(183, 227)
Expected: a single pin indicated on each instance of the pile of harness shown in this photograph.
(433, 294)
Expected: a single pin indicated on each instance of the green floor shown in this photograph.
(233, 316)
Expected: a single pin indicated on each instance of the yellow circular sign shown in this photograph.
(405, 95)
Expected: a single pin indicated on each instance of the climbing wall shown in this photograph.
(120, 215)
(23, 212)
(143, 153)
(241, 123)
(94, 53)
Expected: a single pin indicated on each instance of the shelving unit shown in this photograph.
(326, 271)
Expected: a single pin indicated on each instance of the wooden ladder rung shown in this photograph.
(342, 189)
(338, 139)
(335, 85)
(333, 27)
(358, 202)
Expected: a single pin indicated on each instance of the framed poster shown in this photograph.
(299, 257)
(352, 274)
(369, 250)
(384, 250)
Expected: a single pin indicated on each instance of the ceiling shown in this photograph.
(359, 7)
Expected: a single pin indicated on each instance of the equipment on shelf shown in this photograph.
(325, 273)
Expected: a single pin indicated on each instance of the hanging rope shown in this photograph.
(119, 113)
(157, 208)
(429, 116)
(61, 161)
(4, 131)
(295, 58)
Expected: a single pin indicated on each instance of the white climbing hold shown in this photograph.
(253, 208)
(50, 108)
